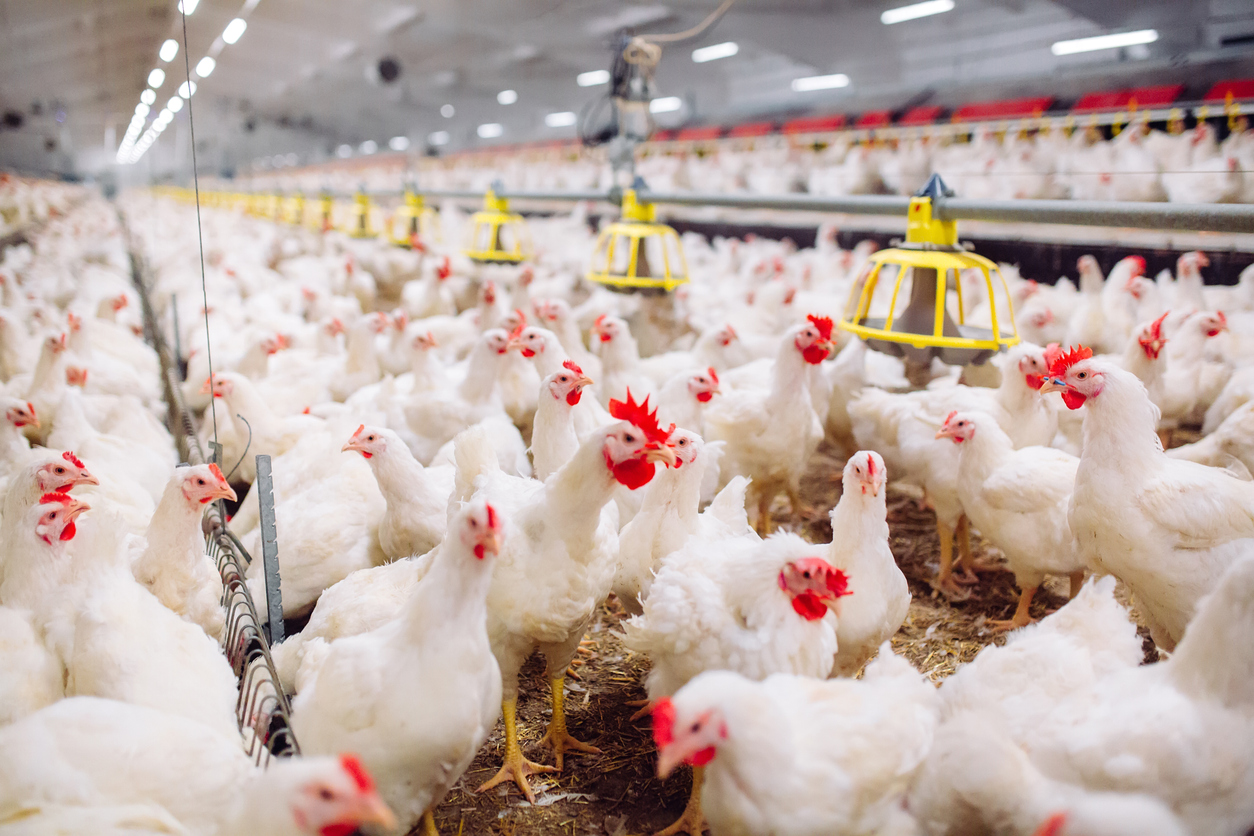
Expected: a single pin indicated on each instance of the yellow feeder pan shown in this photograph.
(926, 328)
(359, 224)
(414, 223)
(497, 235)
(294, 209)
(638, 253)
(326, 212)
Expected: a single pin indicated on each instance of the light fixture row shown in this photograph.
(135, 143)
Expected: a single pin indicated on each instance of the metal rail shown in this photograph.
(262, 710)
(1195, 217)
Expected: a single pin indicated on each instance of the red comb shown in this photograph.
(30, 407)
(1156, 327)
(50, 498)
(823, 324)
(1077, 353)
(492, 519)
(358, 431)
(216, 471)
(1052, 352)
(950, 417)
(73, 459)
(445, 269)
(870, 465)
(600, 318)
(663, 722)
(1052, 826)
(638, 414)
(713, 374)
(518, 329)
(522, 317)
(571, 365)
(357, 772)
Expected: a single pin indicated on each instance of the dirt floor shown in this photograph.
(617, 792)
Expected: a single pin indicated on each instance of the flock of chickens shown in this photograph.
(470, 460)
(1193, 166)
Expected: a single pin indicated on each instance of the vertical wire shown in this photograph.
(204, 293)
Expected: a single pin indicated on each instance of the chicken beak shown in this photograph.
(87, 479)
(667, 760)
(583, 381)
(372, 810)
(223, 491)
(1052, 384)
(350, 446)
(207, 386)
(492, 543)
(75, 508)
(660, 453)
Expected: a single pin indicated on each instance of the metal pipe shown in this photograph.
(889, 205)
(1198, 217)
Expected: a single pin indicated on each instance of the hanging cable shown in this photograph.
(200, 237)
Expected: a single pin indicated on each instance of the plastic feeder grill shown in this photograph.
(360, 223)
(932, 261)
(414, 222)
(497, 236)
(638, 253)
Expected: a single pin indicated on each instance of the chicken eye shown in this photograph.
(325, 794)
(696, 727)
(59, 470)
(200, 482)
(1081, 375)
(629, 438)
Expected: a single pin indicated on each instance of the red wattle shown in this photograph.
(526, 352)
(1073, 399)
(573, 396)
(809, 606)
(814, 355)
(606, 337)
(366, 455)
(479, 551)
(703, 757)
(338, 829)
(1036, 381)
(68, 532)
(634, 473)
(704, 397)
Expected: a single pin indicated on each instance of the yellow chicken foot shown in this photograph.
(970, 566)
(946, 583)
(1077, 581)
(1021, 617)
(428, 824)
(799, 509)
(691, 821)
(516, 768)
(557, 736)
(764, 513)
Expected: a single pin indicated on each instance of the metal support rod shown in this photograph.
(269, 551)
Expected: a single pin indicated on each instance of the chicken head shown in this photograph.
(814, 340)
(814, 586)
(530, 340)
(57, 512)
(1151, 339)
(865, 471)
(568, 383)
(1077, 376)
(687, 446)
(704, 385)
(681, 738)
(335, 797)
(481, 529)
(203, 483)
(958, 426)
(632, 447)
(21, 414)
(61, 475)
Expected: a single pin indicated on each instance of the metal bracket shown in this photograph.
(269, 551)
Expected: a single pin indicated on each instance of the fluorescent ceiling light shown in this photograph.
(398, 143)
(728, 49)
(234, 30)
(666, 104)
(156, 78)
(205, 66)
(169, 49)
(291, 159)
(141, 110)
(368, 147)
(564, 119)
(447, 111)
(592, 78)
(438, 138)
(148, 97)
(188, 6)
(1142, 36)
(916, 10)
(187, 89)
(491, 130)
(507, 97)
(344, 151)
(820, 82)
(174, 105)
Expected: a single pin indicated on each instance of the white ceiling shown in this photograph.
(300, 79)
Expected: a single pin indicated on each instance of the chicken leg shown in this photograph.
(1021, 617)
(691, 821)
(950, 586)
(557, 736)
(516, 768)
(428, 824)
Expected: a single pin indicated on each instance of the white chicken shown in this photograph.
(796, 756)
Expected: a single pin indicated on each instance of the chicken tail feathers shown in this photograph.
(728, 506)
